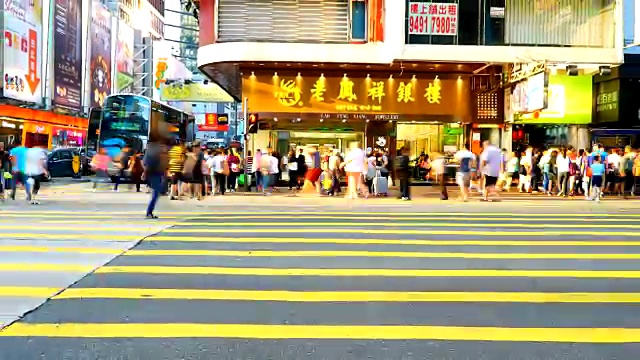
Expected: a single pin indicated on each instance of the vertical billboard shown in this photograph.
(22, 50)
(67, 48)
(124, 58)
(100, 65)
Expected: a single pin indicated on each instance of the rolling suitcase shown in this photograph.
(380, 184)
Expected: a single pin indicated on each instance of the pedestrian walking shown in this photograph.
(34, 171)
(155, 165)
(598, 171)
(491, 163)
(465, 159)
(403, 174)
(18, 157)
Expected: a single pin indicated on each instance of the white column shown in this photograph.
(506, 138)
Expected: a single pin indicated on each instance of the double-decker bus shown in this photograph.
(134, 120)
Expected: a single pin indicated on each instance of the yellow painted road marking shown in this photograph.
(41, 227)
(319, 230)
(113, 221)
(459, 223)
(86, 236)
(45, 267)
(207, 214)
(44, 249)
(397, 254)
(115, 216)
(344, 296)
(256, 271)
(383, 332)
(378, 219)
(27, 291)
(280, 240)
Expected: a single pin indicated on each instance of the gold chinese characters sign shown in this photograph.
(427, 96)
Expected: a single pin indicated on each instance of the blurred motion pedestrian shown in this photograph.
(155, 166)
(100, 165)
(18, 157)
(135, 171)
(35, 170)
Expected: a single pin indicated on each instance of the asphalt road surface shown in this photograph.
(343, 284)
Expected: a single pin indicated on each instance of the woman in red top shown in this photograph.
(234, 170)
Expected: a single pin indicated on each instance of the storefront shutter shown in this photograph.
(303, 21)
(560, 22)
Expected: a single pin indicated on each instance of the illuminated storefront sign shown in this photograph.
(194, 93)
(212, 122)
(569, 102)
(317, 93)
(607, 101)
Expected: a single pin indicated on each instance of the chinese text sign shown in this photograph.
(426, 18)
(373, 95)
(22, 58)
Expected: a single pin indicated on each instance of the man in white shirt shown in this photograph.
(491, 163)
(269, 169)
(34, 170)
(465, 160)
(526, 166)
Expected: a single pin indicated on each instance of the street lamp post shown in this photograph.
(245, 112)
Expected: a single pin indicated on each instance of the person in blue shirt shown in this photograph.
(597, 178)
(18, 157)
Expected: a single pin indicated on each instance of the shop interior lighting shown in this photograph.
(275, 74)
(367, 120)
(322, 76)
(413, 77)
(605, 70)
(572, 70)
(344, 120)
(368, 76)
(275, 119)
(345, 75)
(390, 76)
(321, 120)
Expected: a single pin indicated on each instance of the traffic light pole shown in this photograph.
(245, 114)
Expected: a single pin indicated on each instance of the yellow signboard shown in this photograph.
(194, 93)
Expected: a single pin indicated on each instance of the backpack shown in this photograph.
(189, 165)
(573, 169)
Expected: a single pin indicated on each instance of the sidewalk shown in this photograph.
(81, 191)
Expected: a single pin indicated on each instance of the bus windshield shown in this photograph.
(125, 122)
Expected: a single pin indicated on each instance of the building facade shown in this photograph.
(428, 75)
(181, 30)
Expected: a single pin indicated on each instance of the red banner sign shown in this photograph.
(32, 77)
(214, 122)
(433, 18)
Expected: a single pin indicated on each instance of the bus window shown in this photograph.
(94, 128)
(126, 113)
(125, 122)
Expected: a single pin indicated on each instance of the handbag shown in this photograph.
(242, 179)
(225, 168)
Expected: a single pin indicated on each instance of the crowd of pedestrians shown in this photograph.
(562, 171)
